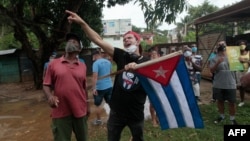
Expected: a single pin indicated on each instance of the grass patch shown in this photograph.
(114, 67)
(211, 131)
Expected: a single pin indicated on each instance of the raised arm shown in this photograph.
(92, 35)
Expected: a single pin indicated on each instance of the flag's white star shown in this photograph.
(160, 72)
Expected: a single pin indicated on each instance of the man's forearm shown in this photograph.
(92, 35)
(47, 91)
(94, 80)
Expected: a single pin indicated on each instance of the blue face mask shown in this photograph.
(194, 49)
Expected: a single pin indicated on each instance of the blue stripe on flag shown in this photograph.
(189, 92)
(174, 104)
(155, 100)
(169, 90)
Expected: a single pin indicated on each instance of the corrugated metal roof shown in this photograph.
(236, 12)
(9, 51)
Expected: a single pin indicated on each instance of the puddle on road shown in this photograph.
(9, 117)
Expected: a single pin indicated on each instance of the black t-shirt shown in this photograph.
(128, 95)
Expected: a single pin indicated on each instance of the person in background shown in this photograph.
(193, 76)
(68, 100)
(186, 47)
(172, 49)
(224, 84)
(197, 66)
(128, 95)
(245, 81)
(153, 55)
(197, 59)
(211, 56)
(51, 58)
(101, 88)
(105, 55)
(244, 59)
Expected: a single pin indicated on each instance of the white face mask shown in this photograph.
(131, 49)
(187, 53)
(70, 47)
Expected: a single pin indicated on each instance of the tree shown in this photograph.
(46, 22)
(136, 29)
(161, 10)
(157, 10)
(186, 25)
(160, 36)
(200, 11)
(190, 37)
(8, 42)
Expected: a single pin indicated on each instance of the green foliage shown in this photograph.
(161, 10)
(42, 24)
(144, 46)
(204, 9)
(111, 3)
(186, 27)
(93, 19)
(114, 67)
(190, 37)
(48, 17)
(158, 39)
(9, 42)
(136, 29)
(33, 40)
(211, 131)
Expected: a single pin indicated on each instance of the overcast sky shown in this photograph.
(134, 12)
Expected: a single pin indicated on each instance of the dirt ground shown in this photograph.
(24, 114)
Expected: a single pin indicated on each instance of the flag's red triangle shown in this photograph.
(160, 71)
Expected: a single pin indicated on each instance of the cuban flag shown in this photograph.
(172, 96)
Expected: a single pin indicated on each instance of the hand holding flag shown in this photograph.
(161, 74)
(169, 88)
(160, 69)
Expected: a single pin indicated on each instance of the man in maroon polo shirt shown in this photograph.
(69, 104)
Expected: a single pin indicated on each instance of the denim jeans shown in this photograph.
(116, 123)
(103, 94)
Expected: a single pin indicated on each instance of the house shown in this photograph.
(15, 66)
(113, 31)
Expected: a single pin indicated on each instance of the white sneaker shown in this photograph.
(241, 104)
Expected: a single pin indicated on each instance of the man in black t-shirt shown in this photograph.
(128, 96)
